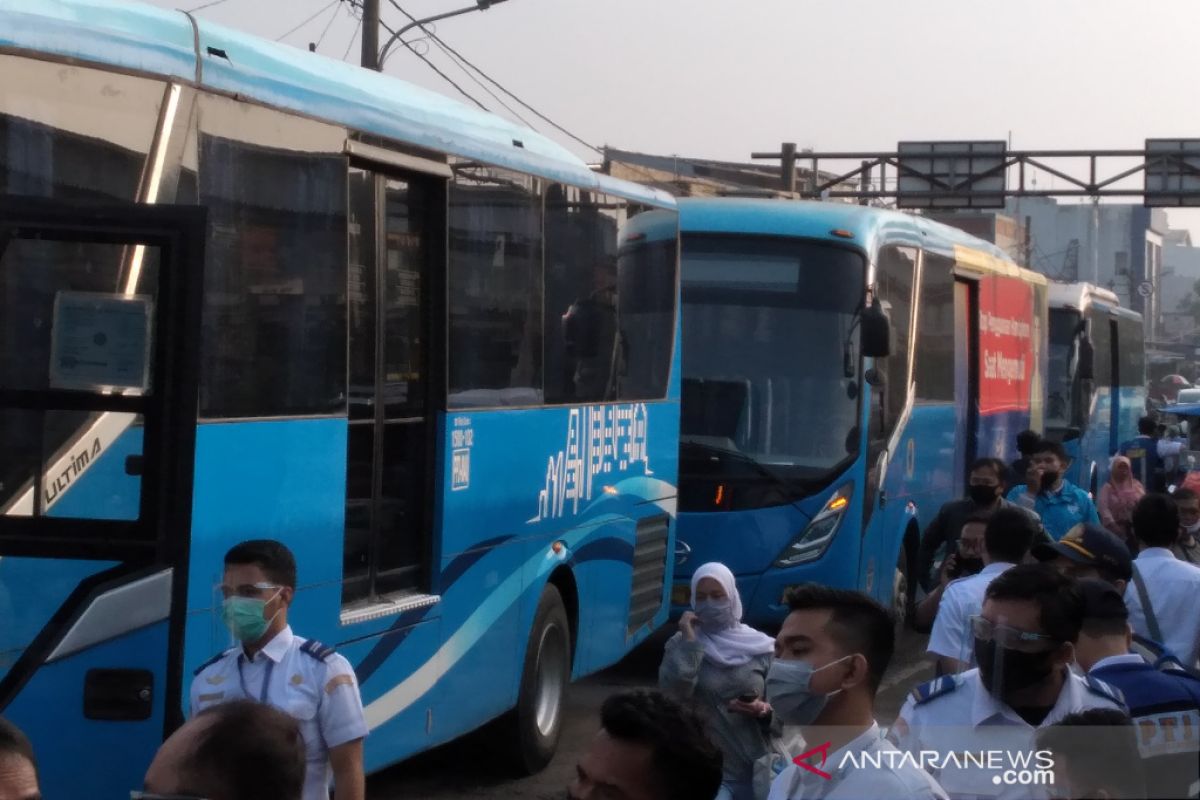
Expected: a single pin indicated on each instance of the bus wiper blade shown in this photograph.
(792, 486)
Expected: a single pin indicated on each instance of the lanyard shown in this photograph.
(266, 684)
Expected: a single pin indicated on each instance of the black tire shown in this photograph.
(533, 728)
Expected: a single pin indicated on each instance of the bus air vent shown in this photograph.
(649, 571)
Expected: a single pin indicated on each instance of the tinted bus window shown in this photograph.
(274, 339)
(581, 294)
(495, 289)
(646, 315)
(1132, 352)
(933, 367)
(1101, 332)
(1060, 372)
(89, 144)
(894, 285)
(766, 325)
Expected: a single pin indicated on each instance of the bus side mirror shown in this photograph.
(1087, 359)
(876, 331)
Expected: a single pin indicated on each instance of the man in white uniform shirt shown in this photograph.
(830, 657)
(302, 677)
(1164, 595)
(1006, 540)
(1023, 636)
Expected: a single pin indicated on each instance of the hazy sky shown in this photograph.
(721, 78)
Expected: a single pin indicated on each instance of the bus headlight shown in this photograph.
(816, 538)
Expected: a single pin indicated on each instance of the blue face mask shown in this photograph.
(715, 615)
(790, 694)
(246, 617)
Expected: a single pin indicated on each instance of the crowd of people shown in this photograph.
(1063, 635)
(1061, 630)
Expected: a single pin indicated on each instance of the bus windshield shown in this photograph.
(1060, 375)
(768, 328)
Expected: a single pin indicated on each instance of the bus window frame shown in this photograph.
(170, 410)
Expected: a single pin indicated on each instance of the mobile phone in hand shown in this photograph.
(747, 697)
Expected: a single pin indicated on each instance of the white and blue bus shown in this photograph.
(809, 449)
(1096, 381)
(250, 292)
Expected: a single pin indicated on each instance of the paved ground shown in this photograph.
(462, 770)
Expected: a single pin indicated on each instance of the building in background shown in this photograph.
(701, 177)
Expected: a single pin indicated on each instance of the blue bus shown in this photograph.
(248, 291)
(1096, 382)
(804, 458)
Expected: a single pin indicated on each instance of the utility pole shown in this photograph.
(787, 169)
(370, 34)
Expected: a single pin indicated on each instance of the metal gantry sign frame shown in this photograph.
(979, 174)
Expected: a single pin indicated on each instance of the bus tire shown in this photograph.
(535, 725)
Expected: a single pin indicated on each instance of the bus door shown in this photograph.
(966, 379)
(99, 324)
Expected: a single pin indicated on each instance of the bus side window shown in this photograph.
(894, 276)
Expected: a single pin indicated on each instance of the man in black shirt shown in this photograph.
(1027, 442)
(985, 495)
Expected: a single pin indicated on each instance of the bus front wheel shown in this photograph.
(535, 725)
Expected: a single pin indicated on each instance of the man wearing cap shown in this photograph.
(1164, 594)
(1164, 701)
(1089, 551)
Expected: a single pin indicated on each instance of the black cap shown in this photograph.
(1092, 546)
(1101, 600)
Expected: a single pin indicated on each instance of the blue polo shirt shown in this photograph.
(1060, 511)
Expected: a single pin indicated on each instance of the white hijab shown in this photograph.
(735, 645)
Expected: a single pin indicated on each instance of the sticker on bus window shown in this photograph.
(100, 341)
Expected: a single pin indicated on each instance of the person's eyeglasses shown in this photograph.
(137, 794)
(252, 590)
(1008, 637)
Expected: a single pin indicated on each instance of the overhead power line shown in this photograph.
(310, 19)
(496, 83)
(353, 37)
(434, 67)
(328, 25)
(206, 5)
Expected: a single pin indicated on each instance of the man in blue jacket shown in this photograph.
(1163, 700)
(1061, 504)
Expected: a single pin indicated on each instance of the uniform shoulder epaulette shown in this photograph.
(1096, 686)
(210, 662)
(937, 687)
(316, 650)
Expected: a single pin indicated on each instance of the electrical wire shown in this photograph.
(310, 19)
(496, 83)
(206, 5)
(434, 67)
(484, 86)
(353, 37)
(328, 25)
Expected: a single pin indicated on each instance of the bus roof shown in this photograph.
(174, 45)
(868, 228)
(1082, 296)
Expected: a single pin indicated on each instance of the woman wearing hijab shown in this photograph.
(1118, 497)
(719, 665)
